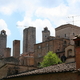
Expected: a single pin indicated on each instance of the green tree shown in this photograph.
(50, 59)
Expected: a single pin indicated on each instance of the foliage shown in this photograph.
(50, 59)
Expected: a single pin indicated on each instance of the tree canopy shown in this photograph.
(50, 59)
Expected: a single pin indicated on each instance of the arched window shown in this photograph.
(69, 53)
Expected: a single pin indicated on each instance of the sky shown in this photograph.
(15, 15)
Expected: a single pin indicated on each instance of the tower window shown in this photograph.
(65, 35)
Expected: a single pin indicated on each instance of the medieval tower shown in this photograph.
(29, 39)
(3, 40)
(45, 34)
(16, 48)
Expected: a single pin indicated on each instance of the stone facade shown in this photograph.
(29, 39)
(27, 59)
(3, 42)
(67, 31)
(16, 48)
(7, 52)
(55, 45)
(70, 53)
(45, 34)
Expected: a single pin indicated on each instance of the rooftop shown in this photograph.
(51, 69)
(65, 26)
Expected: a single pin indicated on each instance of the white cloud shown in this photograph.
(39, 24)
(3, 26)
(58, 11)
(39, 13)
(49, 16)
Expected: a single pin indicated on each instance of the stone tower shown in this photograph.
(16, 48)
(3, 41)
(7, 52)
(67, 31)
(29, 39)
(45, 34)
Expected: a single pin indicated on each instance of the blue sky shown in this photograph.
(37, 13)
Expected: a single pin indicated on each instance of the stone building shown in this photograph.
(3, 42)
(57, 45)
(69, 71)
(27, 59)
(45, 34)
(70, 53)
(16, 48)
(67, 31)
(29, 39)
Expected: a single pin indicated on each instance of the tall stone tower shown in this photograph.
(16, 48)
(3, 41)
(45, 34)
(29, 39)
(67, 31)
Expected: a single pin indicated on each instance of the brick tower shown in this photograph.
(77, 51)
(45, 34)
(3, 41)
(29, 39)
(16, 48)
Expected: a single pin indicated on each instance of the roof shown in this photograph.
(65, 26)
(10, 59)
(51, 69)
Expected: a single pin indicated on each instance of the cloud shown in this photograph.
(3, 26)
(41, 13)
(52, 17)
(39, 24)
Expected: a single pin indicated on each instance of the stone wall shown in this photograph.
(56, 45)
(67, 31)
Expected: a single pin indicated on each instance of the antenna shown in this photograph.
(21, 26)
(73, 18)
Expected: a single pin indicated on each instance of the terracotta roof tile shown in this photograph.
(55, 68)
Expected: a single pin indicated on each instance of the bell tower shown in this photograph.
(45, 34)
(3, 42)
